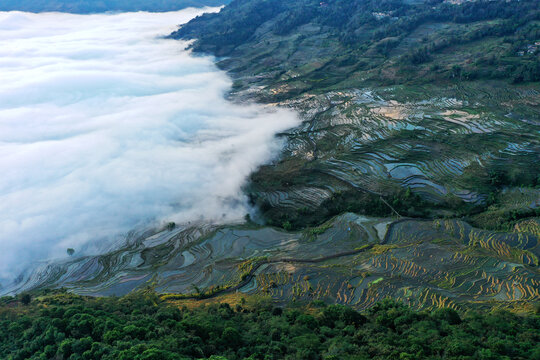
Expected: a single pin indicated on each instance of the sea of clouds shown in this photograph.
(105, 126)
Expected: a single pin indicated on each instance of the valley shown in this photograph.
(273, 179)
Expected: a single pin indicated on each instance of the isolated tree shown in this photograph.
(70, 251)
(171, 226)
(26, 298)
(286, 226)
(196, 289)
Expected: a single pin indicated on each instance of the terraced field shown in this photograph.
(443, 148)
(352, 260)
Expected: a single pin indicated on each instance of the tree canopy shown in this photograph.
(142, 327)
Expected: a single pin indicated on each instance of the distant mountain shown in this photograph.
(97, 6)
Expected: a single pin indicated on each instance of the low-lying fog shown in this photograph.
(104, 127)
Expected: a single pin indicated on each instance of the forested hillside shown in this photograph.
(410, 108)
(374, 36)
(97, 6)
(143, 327)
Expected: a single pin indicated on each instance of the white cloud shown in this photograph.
(105, 127)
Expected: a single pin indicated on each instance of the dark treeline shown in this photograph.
(142, 327)
(404, 203)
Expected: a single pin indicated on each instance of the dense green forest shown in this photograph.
(142, 327)
(97, 6)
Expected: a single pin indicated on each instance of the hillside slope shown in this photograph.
(431, 107)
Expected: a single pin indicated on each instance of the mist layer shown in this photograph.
(104, 127)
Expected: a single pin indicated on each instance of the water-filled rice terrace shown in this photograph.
(351, 259)
(442, 143)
